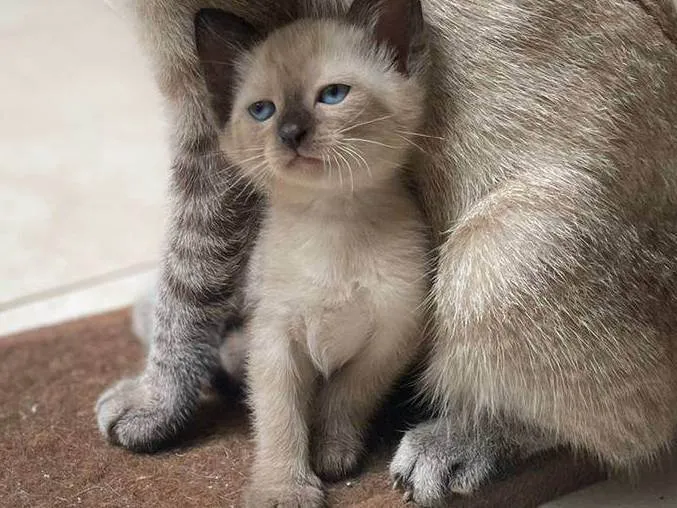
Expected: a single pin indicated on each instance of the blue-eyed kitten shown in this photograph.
(321, 117)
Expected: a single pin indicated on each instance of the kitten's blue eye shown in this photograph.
(333, 94)
(261, 110)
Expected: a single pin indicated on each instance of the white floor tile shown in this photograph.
(109, 295)
(83, 154)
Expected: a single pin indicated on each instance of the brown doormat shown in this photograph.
(52, 454)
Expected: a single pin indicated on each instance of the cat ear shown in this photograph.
(397, 23)
(220, 38)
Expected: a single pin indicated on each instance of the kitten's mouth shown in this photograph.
(303, 160)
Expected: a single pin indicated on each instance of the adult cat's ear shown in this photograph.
(220, 38)
(397, 23)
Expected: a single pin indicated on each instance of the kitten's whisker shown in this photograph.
(221, 169)
(419, 134)
(412, 143)
(350, 170)
(360, 124)
(245, 150)
(229, 154)
(372, 142)
(367, 166)
(248, 183)
(326, 161)
(338, 167)
(240, 178)
(251, 178)
(253, 158)
(354, 153)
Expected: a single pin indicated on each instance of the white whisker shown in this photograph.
(355, 154)
(338, 167)
(350, 170)
(360, 124)
(371, 141)
(412, 143)
(419, 134)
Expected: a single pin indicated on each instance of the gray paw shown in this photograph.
(132, 415)
(434, 460)
(304, 494)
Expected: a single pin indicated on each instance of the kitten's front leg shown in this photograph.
(281, 386)
(350, 398)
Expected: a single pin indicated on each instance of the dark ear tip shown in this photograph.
(218, 20)
(201, 20)
(204, 16)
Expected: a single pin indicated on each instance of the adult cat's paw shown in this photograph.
(435, 460)
(136, 416)
(305, 493)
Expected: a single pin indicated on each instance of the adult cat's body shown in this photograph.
(320, 120)
(552, 198)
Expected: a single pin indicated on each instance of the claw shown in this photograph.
(397, 483)
(408, 495)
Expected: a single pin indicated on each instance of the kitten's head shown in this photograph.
(321, 103)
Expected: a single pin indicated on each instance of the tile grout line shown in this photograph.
(135, 269)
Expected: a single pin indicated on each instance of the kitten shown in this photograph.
(321, 119)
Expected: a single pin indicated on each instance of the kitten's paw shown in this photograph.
(303, 494)
(336, 457)
(434, 460)
(131, 414)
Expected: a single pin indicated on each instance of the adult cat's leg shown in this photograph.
(454, 455)
(281, 387)
(555, 317)
(207, 245)
(231, 338)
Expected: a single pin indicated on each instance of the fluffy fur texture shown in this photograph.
(337, 278)
(552, 198)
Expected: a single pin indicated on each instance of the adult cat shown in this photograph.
(552, 197)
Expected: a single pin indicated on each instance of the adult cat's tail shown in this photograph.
(142, 316)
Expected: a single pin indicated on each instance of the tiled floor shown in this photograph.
(83, 161)
(83, 164)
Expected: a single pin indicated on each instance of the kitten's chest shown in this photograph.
(322, 282)
(333, 284)
(317, 256)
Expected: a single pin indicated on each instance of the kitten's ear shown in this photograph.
(397, 23)
(220, 38)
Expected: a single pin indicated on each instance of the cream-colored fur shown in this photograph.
(337, 278)
(551, 195)
(338, 285)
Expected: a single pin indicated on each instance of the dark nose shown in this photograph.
(291, 134)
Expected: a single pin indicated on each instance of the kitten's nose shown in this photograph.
(291, 134)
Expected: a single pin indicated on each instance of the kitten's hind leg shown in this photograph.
(233, 354)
